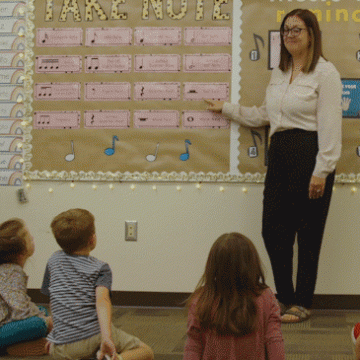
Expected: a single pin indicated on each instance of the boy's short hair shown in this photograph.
(73, 229)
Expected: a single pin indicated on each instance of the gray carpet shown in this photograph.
(325, 336)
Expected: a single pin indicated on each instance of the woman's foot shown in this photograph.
(295, 314)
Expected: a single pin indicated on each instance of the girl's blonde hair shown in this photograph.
(12, 240)
(226, 293)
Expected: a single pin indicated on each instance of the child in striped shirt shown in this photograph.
(79, 287)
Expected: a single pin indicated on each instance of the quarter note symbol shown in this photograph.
(71, 156)
(92, 119)
(253, 150)
(255, 54)
(152, 157)
(93, 40)
(186, 156)
(46, 37)
(111, 151)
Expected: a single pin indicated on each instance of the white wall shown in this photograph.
(176, 230)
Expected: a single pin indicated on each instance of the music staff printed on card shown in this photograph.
(107, 119)
(117, 36)
(156, 119)
(56, 120)
(211, 63)
(157, 36)
(57, 91)
(67, 37)
(59, 64)
(207, 36)
(108, 64)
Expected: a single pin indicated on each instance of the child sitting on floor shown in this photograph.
(21, 320)
(233, 314)
(79, 287)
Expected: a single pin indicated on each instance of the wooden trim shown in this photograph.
(161, 299)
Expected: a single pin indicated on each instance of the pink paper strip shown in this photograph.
(107, 63)
(204, 120)
(200, 91)
(211, 63)
(207, 36)
(58, 64)
(157, 119)
(157, 63)
(59, 37)
(157, 91)
(153, 36)
(58, 91)
(107, 119)
(119, 36)
(107, 91)
(56, 120)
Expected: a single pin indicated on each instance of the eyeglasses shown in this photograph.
(295, 31)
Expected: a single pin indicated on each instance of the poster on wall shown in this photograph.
(117, 88)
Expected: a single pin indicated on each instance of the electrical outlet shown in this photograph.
(130, 230)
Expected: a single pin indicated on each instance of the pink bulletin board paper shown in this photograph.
(110, 84)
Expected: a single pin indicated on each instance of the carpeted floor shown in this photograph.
(326, 336)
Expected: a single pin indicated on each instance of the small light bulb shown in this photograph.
(19, 145)
(51, 190)
(132, 187)
(244, 190)
(21, 55)
(72, 185)
(28, 185)
(111, 186)
(21, 33)
(222, 189)
(178, 188)
(198, 186)
(354, 189)
(21, 161)
(94, 187)
(154, 187)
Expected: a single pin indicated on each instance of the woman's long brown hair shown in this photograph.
(226, 293)
(315, 49)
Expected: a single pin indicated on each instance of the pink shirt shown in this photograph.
(265, 344)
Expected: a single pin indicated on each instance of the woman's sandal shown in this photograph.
(283, 308)
(299, 311)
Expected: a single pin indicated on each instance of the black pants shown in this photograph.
(288, 212)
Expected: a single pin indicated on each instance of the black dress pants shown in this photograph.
(289, 213)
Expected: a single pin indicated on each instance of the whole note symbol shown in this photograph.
(152, 157)
(186, 156)
(111, 151)
(253, 150)
(255, 54)
(71, 156)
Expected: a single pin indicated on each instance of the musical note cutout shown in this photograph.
(253, 151)
(255, 54)
(111, 151)
(71, 156)
(186, 156)
(152, 157)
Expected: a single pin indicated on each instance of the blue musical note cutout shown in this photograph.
(111, 151)
(186, 156)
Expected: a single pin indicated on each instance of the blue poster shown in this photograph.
(351, 98)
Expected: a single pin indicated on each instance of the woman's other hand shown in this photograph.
(317, 187)
(214, 105)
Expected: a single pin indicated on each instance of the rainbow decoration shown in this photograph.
(14, 145)
(15, 163)
(15, 179)
(16, 128)
(16, 77)
(17, 111)
(18, 91)
(19, 10)
(19, 25)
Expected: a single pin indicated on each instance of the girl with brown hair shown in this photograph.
(233, 314)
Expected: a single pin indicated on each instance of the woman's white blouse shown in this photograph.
(311, 102)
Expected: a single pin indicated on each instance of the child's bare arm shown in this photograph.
(104, 313)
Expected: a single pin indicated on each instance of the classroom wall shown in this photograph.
(176, 230)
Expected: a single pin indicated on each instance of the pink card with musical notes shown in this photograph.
(157, 36)
(56, 120)
(156, 119)
(157, 63)
(204, 120)
(207, 36)
(59, 37)
(108, 64)
(212, 63)
(107, 119)
(111, 91)
(157, 91)
(119, 36)
(58, 64)
(201, 91)
(10, 127)
(57, 91)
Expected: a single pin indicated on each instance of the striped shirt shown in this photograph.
(71, 281)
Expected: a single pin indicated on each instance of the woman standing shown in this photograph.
(303, 108)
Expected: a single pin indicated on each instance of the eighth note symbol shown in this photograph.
(186, 156)
(111, 151)
(253, 150)
(255, 54)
